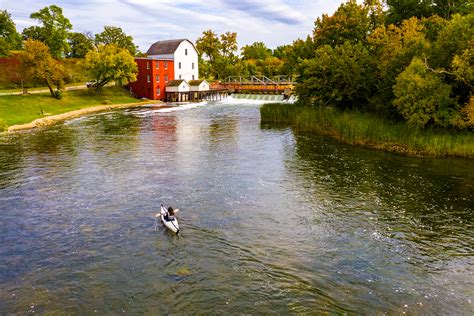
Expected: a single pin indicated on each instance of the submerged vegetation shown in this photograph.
(370, 130)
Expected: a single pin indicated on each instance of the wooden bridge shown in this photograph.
(256, 84)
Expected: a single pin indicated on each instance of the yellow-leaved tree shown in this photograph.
(40, 66)
(111, 63)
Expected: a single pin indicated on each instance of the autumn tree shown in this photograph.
(53, 30)
(9, 37)
(41, 66)
(115, 35)
(423, 98)
(111, 63)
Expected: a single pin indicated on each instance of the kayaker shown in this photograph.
(170, 215)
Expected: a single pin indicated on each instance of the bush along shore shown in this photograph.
(369, 130)
(30, 111)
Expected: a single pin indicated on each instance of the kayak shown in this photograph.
(170, 223)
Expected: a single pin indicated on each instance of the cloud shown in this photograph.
(275, 11)
(274, 22)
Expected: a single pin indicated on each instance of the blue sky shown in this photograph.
(274, 22)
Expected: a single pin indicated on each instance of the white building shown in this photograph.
(198, 85)
(177, 86)
(182, 52)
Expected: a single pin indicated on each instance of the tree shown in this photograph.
(219, 53)
(423, 98)
(111, 63)
(53, 30)
(257, 51)
(351, 22)
(41, 66)
(400, 10)
(9, 37)
(115, 35)
(393, 48)
(80, 44)
(340, 76)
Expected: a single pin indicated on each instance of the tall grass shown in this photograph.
(369, 130)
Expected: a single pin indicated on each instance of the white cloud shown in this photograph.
(274, 22)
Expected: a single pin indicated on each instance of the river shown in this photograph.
(272, 222)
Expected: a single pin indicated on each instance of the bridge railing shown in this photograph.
(261, 80)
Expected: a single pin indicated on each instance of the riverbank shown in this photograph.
(21, 112)
(363, 129)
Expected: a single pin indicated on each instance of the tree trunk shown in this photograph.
(50, 89)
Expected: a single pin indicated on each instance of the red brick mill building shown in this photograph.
(165, 62)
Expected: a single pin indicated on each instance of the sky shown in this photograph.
(274, 22)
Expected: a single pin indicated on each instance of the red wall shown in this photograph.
(144, 89)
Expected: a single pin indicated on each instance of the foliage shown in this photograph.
(370, 130)
(351, 22)
(217, 54)
(399, 10)
(53, 30)
(111, 63)
(115, 35)
(256, 51)
(41, 66)
(422, 97)
(80, 44)
(338, 76)
(9, 37)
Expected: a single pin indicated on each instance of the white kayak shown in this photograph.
(170, 223)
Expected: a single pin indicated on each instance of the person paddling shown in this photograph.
(170, 215)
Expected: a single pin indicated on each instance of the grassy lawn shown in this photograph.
(368, 130)
(21, 109)
(41, 88)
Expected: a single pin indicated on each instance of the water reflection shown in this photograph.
(272, 222)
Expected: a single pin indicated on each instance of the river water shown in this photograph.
(271, 222)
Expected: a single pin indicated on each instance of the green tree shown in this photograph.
(41, 66)
(9, 37)
(351, 22)
(218, 53)
(340, 76)
(80, 44)
(111, 63)
(257, 51)
(115, 35)
(423, 98)
(53, 30)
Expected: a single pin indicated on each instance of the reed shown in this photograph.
(365, 129)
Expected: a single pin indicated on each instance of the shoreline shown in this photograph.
(53, 119)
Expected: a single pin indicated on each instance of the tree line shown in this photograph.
(40, 52)
(408, 60)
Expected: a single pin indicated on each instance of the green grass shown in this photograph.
(21, 109)
(371, 131)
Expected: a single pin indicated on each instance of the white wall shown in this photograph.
(186, 72)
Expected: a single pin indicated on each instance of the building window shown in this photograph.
(179, 65)
(179, 76)
(186, 52)
(192, 66)
(147, 78)
(158, 91)
(166, 77)
(193, 77)
(157, 64)
(147, 65)
(157, 78)
(166, 64)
